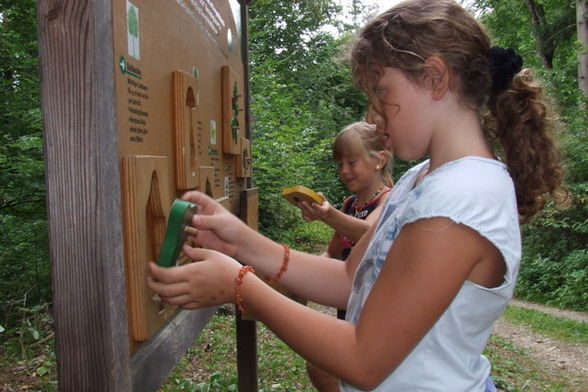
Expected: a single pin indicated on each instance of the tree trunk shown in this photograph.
(539, 23)
(582, 23)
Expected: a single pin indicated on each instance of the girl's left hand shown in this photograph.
(208, 281)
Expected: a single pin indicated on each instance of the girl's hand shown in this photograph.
(314, 211)
(216, 227)
(208, 281)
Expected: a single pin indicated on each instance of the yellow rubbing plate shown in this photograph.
(298, 193)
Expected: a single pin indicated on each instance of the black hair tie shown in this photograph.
(504, 65)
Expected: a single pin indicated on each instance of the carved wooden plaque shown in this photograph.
(180, 101)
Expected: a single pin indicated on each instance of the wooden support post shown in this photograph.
(83, 191)
(246, 353)
(246, 328)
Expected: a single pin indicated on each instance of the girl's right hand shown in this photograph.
(207, 281)
(217, 228)
(315, 211)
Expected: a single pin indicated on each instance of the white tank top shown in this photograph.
(475, 192)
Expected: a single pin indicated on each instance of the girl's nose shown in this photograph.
(343, 169)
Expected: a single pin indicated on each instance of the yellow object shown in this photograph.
(298, 193)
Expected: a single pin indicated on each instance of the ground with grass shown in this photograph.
(538, 348)
(532, 348)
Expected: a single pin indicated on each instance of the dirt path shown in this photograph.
(570, 314)
(554, 355)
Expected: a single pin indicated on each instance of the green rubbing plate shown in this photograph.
(180, 216)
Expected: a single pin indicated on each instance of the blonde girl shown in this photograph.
(364, 167)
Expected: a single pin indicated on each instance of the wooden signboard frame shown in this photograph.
(86, 207)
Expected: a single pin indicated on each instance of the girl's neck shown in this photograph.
(461, 136)
(368, 194)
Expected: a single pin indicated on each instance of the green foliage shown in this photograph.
(282, 31)
(555, 256)
(302, 97)
(574, 142)
(24, 267)
(311, 237)
(279, 368)
(22, 275)
(556, 282)
(27, 355)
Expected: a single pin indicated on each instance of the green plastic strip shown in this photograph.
(180, 216)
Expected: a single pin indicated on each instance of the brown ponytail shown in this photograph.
(518, 119)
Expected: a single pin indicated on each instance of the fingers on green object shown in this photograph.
(179, 218)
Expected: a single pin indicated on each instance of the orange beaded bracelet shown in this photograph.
(284, 267)
(238, 283)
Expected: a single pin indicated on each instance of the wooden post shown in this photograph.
(246, 327)
(83, 191)
(246, 353)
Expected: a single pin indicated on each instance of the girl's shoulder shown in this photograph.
(467, 187)
(476, 192)
(473, 176)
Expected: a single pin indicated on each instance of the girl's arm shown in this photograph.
(422, 274)
(424, 270)
(334, 248)
(349, 226)
(317, 278)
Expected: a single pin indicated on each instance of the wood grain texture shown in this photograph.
(146, 202)
(83, 191)
(83, 183)
(155, 359)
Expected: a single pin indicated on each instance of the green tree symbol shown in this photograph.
(133, 22)
(236, 110)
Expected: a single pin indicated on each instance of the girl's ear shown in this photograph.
(381, 159)
(438, 75)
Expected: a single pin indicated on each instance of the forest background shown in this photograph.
(302, 95)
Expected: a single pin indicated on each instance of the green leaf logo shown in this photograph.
(133, 22)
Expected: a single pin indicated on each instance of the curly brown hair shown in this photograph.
(518, 120)
(515, 119)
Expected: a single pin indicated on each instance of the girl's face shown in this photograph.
(358, 172)
(403, 119)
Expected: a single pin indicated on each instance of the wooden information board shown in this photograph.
(142, 100)
(180, 91)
